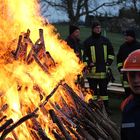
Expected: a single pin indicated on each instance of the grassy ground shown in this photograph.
(117, 40)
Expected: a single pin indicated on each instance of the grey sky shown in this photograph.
(53, 15)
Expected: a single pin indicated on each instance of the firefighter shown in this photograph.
(125, 49)
(130, 126)
(73, 40)
(98, 57)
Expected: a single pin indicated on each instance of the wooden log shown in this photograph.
(78, 136)
(34, 135)
(51, 94)
(21, 50)
(48, 97)
(27, 34)
(6, 124)
(19, 122)
(40, 131)
(98, 130)
(16, 53)
(67, 109)
(15, 135)
(59, 124)
(4, 117)
(109, 121)
(66, 120)
(57, 136)
(29, 58)
(45, 69)
(39, 54)
(50, 59)
(3, 108)
(92, 114)
(84, 133)
(92, 132)
(41, 35)
(34, 50)
(63, 116)
(96, 107)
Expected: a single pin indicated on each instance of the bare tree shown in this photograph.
(135, 4)
(77, 8)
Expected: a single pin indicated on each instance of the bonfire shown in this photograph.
(39, 96)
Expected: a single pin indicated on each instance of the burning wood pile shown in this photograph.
(61, 114)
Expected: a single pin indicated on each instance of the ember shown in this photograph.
(39, 97)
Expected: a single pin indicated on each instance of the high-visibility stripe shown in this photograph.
(94, 97)
(104, 98)
(111, 57)
(93, 69)
(119, 65)
(93, 56)
(98, 75)
(82, 52)
(125, 84)
(105, 52)
(128, 125)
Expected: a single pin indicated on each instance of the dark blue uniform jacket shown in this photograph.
(130, 128)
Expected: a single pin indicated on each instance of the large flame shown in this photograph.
(17, 16)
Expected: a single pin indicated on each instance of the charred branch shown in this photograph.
(45, 69)
(84, 133)
(3, 108)
(59, 124)
(51, 94)
(97, 129)
(78, 136)
(63, 116)
(6, 124)
(16, 53)
(40, 131)
(92, 114)
(57, 136)
(19, 122)
(41, 35)
(48, 97)
(4, 117)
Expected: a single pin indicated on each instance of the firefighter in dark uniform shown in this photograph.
(98, 56)
(73, 40)
(125, 49)
(130, 126)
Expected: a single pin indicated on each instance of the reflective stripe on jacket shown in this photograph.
(98, 51)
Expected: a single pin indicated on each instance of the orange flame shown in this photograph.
(18, 16)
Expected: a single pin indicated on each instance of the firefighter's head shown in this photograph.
(132, 68)
(129, 35)
(96, 27)
(74, 31)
